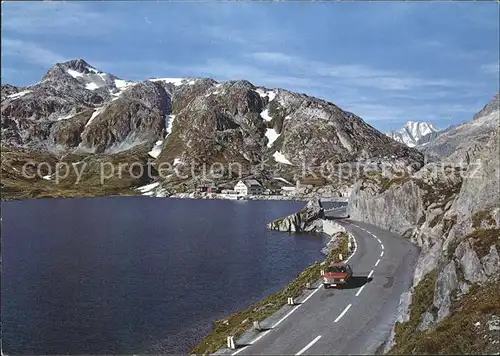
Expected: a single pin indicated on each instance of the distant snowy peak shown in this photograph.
(411, 132)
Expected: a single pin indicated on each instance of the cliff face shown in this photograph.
(461, 142)
(451, 209)
(306, 220)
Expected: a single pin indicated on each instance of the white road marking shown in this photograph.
(376, 263)
(355, 249)
(359, 291)
(382, 245)
(370, 274)
(237, 352)
(295, 308)
(381, 253)
(343, 313)
(310, 295)
(308, 345)
(305, 300)
(286, 316)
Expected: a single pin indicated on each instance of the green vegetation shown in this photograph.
(236, 324)
(440, 192)
(457, 334)
(387, 183)
(73, 175)
(480, 217)
(482, 239)
(422, 299)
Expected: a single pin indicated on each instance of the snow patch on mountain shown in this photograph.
(121, 85)
(128, 143)
(94, 115)
(169, 123)
(265, 115)
(283, 180)
(280, 158)
(175, 81)
(271, 135)
(156, 150)
(93, 80)
(69, 116)
(411, 132)
(271, 94)
(148, 187)
(18, 95)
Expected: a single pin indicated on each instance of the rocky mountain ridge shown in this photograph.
(451, 209)
(459, 143)
(189, 124)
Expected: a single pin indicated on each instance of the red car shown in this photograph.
(337, 274)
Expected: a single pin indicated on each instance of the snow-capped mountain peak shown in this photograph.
(412, 131)
(87, 76)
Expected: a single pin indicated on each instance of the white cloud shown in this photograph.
(55, 17)
(30, 52)
(353, 74)
(493, 68)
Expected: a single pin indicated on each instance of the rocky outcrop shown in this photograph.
(306, 220)
(451, 209)
(457, 144)
(446, 283)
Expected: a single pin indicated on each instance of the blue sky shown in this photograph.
(386, 62)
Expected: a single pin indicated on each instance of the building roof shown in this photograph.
(251, 183)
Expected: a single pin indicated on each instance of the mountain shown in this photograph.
(451, 209)
(411, 132)
(188, 124)
(458, 143)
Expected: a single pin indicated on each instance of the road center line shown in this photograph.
(382, 245)
(359, 291)
(376, 263)
(308, 345)
(343, 313)
(237, 352)
(381, 253)
(370, 274)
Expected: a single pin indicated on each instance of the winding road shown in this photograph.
(352, 320)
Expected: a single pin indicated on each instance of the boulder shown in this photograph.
(306, 220)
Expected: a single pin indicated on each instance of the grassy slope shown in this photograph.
(457, 334)
(18, 185)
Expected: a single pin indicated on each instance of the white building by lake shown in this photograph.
(248, 187)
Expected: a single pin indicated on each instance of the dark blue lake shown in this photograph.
(135, 274)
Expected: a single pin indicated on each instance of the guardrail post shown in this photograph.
(322, 272)
(308, 285)
(230, 343)
(340, 257)
(290, 301)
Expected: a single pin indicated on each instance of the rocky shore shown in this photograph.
(306, 220)
(309, 219)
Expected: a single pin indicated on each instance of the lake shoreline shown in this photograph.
(238, 324)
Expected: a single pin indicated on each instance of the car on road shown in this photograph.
(337, 274)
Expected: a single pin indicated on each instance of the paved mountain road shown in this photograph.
(352, 320)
